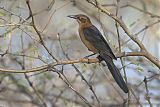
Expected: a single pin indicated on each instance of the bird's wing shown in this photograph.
(93, 35)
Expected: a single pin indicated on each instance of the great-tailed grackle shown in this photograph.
(94, 41)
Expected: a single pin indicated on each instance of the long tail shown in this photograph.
(115, 72)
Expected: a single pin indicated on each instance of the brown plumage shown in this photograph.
(94, 41)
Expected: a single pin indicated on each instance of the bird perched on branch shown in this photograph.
(95, 42)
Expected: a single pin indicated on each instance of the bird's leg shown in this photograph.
(89, 55)
(86, 57)
(99, 58)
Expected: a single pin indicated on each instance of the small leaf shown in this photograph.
(139, 69)
(135, 62)
(48, 76)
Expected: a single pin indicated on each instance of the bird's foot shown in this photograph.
(89, 56)
(99, 58)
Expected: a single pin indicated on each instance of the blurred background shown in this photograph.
(81, 84)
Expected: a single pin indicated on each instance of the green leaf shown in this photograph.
(139, 69)
(48, 76)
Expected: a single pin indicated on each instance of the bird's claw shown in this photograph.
(89, 56)
(99, 58)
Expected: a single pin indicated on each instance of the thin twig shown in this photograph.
(82, 77)
(147, 97)
(133, 37)
(71, 87)
(121, 59)
(27, 77)
(141, 10)
(64, 62)
(39, 34)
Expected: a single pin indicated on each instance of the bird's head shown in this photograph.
(82, 19)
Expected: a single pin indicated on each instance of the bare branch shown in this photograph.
(133, 37)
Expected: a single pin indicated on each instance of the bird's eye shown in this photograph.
(82, 19)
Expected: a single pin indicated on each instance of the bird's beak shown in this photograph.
(72, 16)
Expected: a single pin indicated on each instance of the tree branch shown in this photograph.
(65, 62)
(143, 50)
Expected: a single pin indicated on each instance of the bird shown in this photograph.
(95, 42)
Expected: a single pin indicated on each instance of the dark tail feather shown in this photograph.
(115, 73)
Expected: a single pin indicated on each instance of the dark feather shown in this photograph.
(93, 35)
(115, 72)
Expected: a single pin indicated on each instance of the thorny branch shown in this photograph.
(79, 73)
(147, 92)
(51, 67)
(83, 60)
(119, 43)
(143, 50)
(39, 34)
